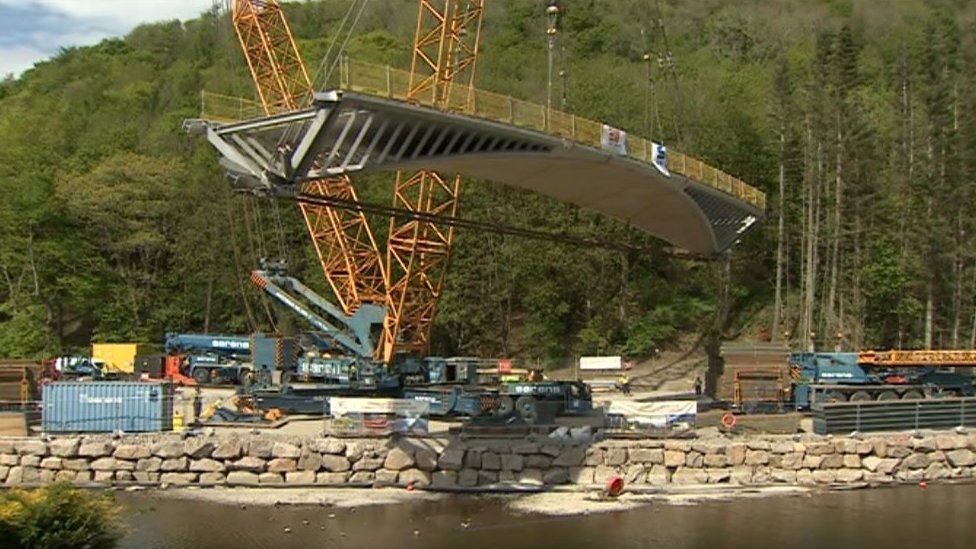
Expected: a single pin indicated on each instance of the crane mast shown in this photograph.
(343, 241)
(442, 73)
(410, 280)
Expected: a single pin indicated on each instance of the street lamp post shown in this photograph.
(564, 104)
(552, 15)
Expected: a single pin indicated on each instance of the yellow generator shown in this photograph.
(120, 357)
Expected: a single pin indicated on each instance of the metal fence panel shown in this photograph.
(899, 415)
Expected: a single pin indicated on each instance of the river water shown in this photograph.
(940, 517)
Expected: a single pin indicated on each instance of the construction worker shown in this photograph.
(197, 405)
(624, 384)
(352, 372)
(698, 386)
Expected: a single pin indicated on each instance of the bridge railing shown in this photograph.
(226, 108)
(385, 81)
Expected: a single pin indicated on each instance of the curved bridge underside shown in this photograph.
(348, 132)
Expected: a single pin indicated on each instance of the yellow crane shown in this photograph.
(343, 240)
(445, 55)
(410, 280)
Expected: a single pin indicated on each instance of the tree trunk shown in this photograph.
(972, 331)
(831, 323)
(780, 236)
(930, 284)
(813, 216)
(929, 314)
(33, 262)
(622, 297)
(206, 314)
(910, 150)
(857, 323)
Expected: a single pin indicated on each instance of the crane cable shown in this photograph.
(669, 66)
(256, 236)
(252, 217)
(332, 43)
(342, 49)
(275, 212)
(279, 230)
(235, 245)
(259, 222)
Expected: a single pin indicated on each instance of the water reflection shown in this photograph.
(940, 516)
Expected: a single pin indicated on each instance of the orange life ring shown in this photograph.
(615, 485)
(728, 420)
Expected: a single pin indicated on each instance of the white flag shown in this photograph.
(659, 157)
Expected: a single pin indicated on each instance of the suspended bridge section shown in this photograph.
(366, 123)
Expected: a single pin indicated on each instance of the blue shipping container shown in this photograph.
(106, 406)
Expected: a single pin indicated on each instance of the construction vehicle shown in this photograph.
(76, 368)
(199, 359)
(339, 342)
(345, 365)
(873, 375)
(540, 401)
(119, 357)
(241, 412)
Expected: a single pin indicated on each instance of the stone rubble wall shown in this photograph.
(267, 459)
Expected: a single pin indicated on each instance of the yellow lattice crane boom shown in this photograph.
(906, 359)
(445, 55)
(279, 75)
(343, 240)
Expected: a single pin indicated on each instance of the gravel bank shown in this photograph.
(327, 497)
(554, 503)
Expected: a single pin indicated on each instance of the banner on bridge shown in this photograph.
(613, 140)
(378, 416)
(659, 157)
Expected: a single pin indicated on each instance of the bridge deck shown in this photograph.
(370, 125)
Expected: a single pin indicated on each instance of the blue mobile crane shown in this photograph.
(209, 358)
(341, 347)
(340, 361)
(879, 375)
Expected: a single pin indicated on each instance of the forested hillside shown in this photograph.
(857, 118)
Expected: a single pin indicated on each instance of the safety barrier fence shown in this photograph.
(897, 415)
(385, 81)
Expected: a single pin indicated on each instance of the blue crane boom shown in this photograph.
(210, 343)
(355, 334)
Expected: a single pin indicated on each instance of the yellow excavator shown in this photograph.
(241, 413)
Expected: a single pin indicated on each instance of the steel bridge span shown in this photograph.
(366, 125)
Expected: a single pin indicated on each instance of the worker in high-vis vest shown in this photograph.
(624, 384)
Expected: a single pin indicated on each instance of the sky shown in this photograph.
(34, 30)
